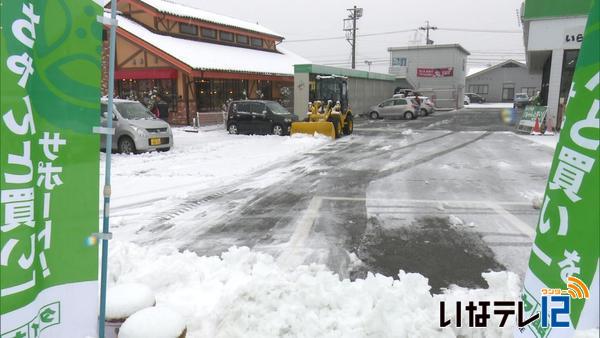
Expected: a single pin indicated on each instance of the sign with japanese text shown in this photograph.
(435, 72)
(50, 85)
(530, 113)
(565, 252)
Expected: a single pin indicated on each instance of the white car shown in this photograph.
(427, 106)
(467, 100)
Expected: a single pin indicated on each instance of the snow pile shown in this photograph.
(125, 299)
(536, 201)
(455, 220)
(247, 294)
(549, 141)
(489, 105)
(153, 322)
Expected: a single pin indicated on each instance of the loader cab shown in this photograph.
(334, 88)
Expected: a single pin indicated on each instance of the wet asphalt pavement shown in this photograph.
(447, 196)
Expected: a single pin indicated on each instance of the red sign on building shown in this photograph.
(435, 72)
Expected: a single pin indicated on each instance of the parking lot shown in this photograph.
(449, 195)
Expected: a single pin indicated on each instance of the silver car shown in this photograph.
(136, 128)
(393, 108)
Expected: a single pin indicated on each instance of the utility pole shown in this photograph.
(428, 28)
(350, 29)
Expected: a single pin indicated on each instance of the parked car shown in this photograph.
(521, 100)
(475, 98)
(136, 128)
(467, 100)
(394, 108)
(427, 106)
(259, 117)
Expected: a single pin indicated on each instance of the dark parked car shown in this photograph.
(259, 117)
(475, 98)
(521, 100)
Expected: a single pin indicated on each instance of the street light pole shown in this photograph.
(369, 63)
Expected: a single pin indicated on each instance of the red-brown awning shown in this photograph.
(147, 73)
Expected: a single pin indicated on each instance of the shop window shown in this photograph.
(188, 29)
(145, 91)
(214, 94)
(399, 61)
(256, 42)
(478, 89)
(508, 92)
(226, 36)
(209, 33)
(530, 91)
(243, 39)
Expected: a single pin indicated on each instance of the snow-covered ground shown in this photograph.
(145, 186)
(247, 293)
(489, 105)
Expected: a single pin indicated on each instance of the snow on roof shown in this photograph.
(498, 65)
(211, 56)
(195, 13)
(473, 70)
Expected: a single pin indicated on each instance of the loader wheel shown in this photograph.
(349, 126)
(374, 115)
(336, 125)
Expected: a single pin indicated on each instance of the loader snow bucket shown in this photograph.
(310, 128)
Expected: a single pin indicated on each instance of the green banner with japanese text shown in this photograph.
(562, 282)
(49, 156)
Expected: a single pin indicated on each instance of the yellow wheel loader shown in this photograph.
(329, 113)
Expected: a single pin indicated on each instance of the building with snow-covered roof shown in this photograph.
(196, 60)
(500, 83)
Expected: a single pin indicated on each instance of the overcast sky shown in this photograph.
(300, 20)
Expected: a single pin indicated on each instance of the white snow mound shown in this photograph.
(153, 322)
(125, 299)
(244, 293)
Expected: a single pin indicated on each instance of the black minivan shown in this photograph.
(259, 117)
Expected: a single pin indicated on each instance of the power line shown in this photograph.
(467, 30)
(473, 30)
(358, 35)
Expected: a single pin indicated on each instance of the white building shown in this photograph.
(435, 70)
(552, 33)
(500, 83)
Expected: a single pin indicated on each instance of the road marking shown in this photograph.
(395, 200)
(291, 256)
(513, 220)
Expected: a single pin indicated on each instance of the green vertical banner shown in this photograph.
(562, 282)
(49, 157)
